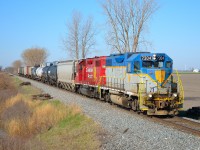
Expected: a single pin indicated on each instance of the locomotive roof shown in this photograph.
(128, 53)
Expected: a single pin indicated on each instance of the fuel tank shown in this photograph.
(120, 100)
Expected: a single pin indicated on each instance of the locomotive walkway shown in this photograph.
(124, 130)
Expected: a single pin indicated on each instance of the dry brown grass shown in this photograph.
(24, 117)
(5, 82)
(74, 109)
(17, 127)
(11, 143)
(7, 89)
(13, 100)
(44, 117)
(25, 120)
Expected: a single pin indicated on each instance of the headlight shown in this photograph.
(150, 95)
(175, 94)
(154, 57)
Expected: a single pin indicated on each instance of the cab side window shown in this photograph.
(80, 67)
(129, 67)
(136, 66)
(168, 64)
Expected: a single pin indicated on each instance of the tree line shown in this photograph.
(126, 21)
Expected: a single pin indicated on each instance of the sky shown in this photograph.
(174, 29)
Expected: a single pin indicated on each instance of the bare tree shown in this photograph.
(80, 36)
(127, 20)
(34, 56)
(16, 64)
(87, 37)
(73, 36)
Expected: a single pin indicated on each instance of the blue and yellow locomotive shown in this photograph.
(143, 82)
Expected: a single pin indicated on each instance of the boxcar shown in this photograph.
(21, 71)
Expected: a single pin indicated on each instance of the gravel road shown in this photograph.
(124, 129)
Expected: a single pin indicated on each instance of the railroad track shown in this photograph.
(180, 124)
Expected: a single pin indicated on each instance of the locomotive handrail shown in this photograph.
(141, 92)
(181, 87)
(120, 85)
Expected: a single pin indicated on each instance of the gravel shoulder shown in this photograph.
(124, 130)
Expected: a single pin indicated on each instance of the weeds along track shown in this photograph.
(178, 123)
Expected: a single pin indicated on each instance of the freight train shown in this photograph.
(139, 81)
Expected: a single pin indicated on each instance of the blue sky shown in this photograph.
(174, 28)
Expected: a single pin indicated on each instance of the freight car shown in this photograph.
(142, 81)
(27, 71)
(66, 72)
(39, 72)
(20, 71)
(44, 72)
(33, 72)
(52, 74)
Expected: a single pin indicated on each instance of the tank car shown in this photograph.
(52, 74)
(39, 71)
(33, 72)
(44, 76)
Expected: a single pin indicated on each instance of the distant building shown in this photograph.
(196, 70)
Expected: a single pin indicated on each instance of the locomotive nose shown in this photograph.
(160, 75)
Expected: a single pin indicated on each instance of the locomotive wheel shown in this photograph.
(135, 105)
(79, 90)
(107, 97)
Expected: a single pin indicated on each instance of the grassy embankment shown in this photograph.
(36, 124)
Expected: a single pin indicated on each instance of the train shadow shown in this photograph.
(187, 114)
(183, 113)
(192, 98)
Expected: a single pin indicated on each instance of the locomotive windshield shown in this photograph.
(169, 64)
(158, 64)
(147, 64)
(152, 64)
